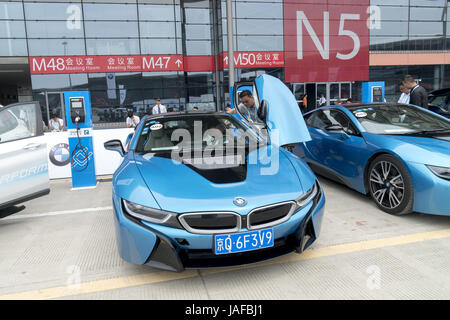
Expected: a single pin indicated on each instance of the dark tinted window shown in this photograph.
(185, 132)
(331, 117)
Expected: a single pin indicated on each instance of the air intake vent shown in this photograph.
(270, 215)
(211, 222)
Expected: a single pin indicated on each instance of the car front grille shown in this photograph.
(211, 222)
(270, 215)
(229, 222)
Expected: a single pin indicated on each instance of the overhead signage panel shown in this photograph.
(326, 40)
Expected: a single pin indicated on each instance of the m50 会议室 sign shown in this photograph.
(326, 40)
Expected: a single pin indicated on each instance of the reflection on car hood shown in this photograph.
(179, 187)
(427, 150)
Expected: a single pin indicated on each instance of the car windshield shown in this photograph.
(167, 134)
(399, 119)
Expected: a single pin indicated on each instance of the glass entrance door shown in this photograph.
(55, 105)
(333, 93)
(322, 93)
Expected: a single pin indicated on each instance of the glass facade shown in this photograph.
(198, 28)
(412, 25)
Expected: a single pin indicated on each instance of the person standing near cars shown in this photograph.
(404, 97)
(56, 124)
(159, 108)
(247, 106)
(322, 100)
(132, 120)
(418, 95)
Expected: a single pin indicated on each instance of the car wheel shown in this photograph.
(390, 185)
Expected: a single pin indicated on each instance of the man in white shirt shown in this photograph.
(404, 98)
(322, 100)
(132, 120)
(159, 108)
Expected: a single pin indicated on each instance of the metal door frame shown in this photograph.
(61, 95)
(328, 86)
(327, 90)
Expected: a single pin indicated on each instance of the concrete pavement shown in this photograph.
(62, 246)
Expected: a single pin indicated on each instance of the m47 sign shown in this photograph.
(326, 40)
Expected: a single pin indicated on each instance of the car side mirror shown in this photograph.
(262, 111)
(114, 145)
(336, 128)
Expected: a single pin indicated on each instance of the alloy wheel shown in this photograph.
(387, 184)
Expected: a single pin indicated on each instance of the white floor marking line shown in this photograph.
(55, 213)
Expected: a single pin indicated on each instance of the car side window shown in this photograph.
(17, 122)
(318, 120)
(338, 117)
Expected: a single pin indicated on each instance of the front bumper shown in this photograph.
(162, 247)
(430, 191)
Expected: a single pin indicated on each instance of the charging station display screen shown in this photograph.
(77, 109)
(77, 104)
(377, 94)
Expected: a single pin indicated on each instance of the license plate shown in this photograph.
(240, 242)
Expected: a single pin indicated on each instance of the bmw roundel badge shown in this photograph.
(59, 155)
(240, 202)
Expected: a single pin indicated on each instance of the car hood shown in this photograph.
(426, 150)
(179, 187)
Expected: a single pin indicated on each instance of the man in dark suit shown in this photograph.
(418, 95)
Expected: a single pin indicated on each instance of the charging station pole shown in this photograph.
(79, 124)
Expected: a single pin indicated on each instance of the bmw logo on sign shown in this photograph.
(60, 155)
(240, 202)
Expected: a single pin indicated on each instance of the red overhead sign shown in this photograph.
(326, 40)
(85, 64)
(253, 59)
(143, 63)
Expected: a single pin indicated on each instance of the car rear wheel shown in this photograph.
(390, 185)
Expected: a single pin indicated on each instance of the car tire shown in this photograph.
(390, 185)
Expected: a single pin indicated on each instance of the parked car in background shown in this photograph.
(23, 154)
(439, 101)
(397, 153)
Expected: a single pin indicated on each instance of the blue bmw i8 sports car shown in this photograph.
(205, 189)
(397, 153)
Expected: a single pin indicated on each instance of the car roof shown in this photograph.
(441, 91)
(371, 105)
(190, 113)
(355, 106)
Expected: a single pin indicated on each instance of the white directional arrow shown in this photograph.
(225, 60)
(178, 62)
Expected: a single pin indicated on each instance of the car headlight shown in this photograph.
(441, 172)
(305, 198)
(152, 215)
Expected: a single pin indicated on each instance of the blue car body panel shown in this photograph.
(284, 117)
(348, 159)
(187, 187)
(273, 175)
